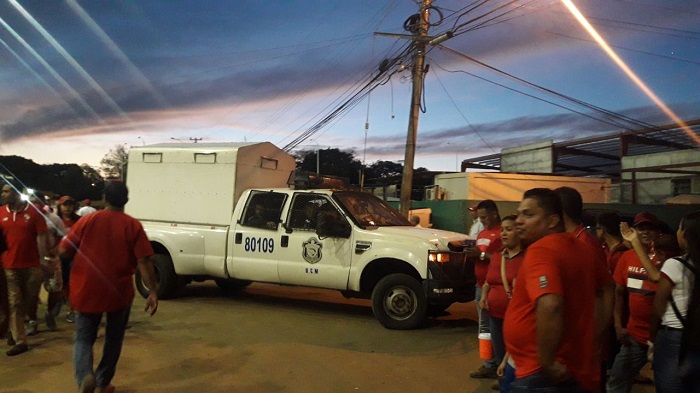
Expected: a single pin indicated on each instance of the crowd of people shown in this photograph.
(567, 308)
(575, 308)
(85, 259)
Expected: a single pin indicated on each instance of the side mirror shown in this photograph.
(331, 225)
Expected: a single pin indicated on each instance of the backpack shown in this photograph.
(691, 321)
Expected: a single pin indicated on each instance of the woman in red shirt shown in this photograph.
(496, 293)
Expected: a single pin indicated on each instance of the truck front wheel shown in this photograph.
(168, 282)
(398, 302)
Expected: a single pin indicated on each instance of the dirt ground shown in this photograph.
(267, 339)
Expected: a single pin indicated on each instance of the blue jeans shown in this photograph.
(508, 378)
(483, 325)
(631, 358)
(667, 350)
(497, 342)
(537, 382)
(86, 327)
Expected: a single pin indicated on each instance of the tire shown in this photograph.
(231, 286)
(398, 302)
(168, 282)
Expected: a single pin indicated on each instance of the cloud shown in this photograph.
(494, 136)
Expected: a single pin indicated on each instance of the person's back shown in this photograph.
(553, 265)
(101, 278)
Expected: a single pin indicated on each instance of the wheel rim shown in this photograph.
(400, 303)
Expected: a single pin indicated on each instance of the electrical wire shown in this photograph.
(595, 108)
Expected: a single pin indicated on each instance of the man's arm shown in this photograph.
(550, 328)
(605, 303)
(630, 234)
(620, 330)
(145, 266)
(43, 244)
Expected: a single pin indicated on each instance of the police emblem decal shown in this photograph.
(311, 250)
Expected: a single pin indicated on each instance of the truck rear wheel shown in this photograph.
(168, 282)
(398, 302)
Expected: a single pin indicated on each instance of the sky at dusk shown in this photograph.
(78, 78)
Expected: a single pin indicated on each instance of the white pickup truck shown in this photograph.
(185, 196)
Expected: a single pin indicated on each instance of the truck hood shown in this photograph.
(438, 238)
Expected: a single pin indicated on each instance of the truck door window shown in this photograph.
(263, 210)
(305, 210)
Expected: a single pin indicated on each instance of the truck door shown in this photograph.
(255, 244)
(307, 258)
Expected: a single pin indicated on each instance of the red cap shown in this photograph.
(87, 202)
(473, 208)
(646, 218)
(65, 199)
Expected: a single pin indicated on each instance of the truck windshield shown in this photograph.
(368, 210)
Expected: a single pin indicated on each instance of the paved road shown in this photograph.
(267, 339)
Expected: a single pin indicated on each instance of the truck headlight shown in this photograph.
(438, 257)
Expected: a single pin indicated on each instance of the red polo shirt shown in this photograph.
(498, 298)
(488, 241)
(21, 230)
(109, 245)
(557, 264)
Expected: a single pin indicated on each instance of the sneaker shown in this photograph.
(105, 389)
(484, 372)
(17, 349)
(31, 328)
(50, 320)
(87, 385)
(70, 316)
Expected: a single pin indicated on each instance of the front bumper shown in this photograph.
(451, 281)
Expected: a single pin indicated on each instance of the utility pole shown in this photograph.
(420, 41)
(195, 139)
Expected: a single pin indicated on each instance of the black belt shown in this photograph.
(664, 327)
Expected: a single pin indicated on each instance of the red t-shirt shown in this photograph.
(69, 222)
(614, 255)
(498, 299)
(631, 275)
(109, 245)
(21, 230)
(557, 264)
(488, 241)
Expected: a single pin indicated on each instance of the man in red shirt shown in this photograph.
(551, 324)
(488, 242)
(632, 278)
(25, 234)
(108, 246)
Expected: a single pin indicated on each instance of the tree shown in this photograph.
(384, 169)
(113, 164)
(334, 162)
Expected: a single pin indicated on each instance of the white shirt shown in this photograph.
(680, 277)
(85, 210)
(477, 226)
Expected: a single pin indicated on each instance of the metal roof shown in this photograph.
(601, 156)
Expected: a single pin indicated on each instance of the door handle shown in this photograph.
(284, 241)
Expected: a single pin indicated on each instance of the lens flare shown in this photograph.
(627, 70)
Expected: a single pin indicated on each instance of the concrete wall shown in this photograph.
(532, 158)
(511, 186)
(656, 187)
